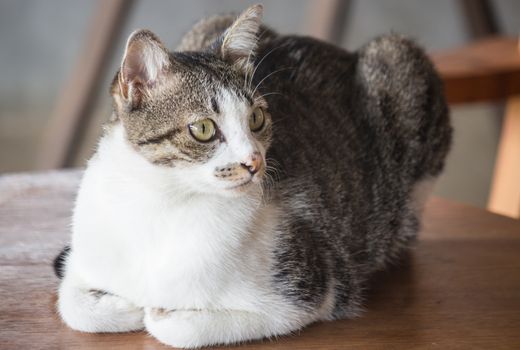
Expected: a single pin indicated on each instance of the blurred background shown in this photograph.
(55, 60)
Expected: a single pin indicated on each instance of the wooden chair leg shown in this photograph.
(80, 91)
(505, 190)
(480, 17)
(326, 19)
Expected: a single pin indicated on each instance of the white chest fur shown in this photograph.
(138, 238)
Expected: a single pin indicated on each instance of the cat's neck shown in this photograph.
(151, 191)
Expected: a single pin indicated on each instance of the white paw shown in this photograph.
(94, 311)
(200, 328)
(181, 329)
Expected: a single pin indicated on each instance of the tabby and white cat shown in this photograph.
(249, 183)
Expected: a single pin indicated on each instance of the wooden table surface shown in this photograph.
(459, 288)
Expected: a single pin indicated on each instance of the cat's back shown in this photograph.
(381, 106)
(356, 134)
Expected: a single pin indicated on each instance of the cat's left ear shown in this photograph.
(241, 38)
(144, 64)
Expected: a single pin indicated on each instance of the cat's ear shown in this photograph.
(144, 64)
(240, 40)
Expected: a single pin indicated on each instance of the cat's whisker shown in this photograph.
(274, 122)
(272, 176)
(268, 75)
(273, 170)
(273, 161)
(259, 63)
(270, 93)
(272, 179)
(267, 187)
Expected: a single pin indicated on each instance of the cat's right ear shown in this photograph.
(240, 40)
(144, 65)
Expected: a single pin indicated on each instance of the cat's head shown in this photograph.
(195, 113)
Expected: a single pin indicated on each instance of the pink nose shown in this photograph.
(254, 163)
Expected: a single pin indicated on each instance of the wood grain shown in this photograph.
(459, 288)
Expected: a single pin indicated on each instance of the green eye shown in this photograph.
(203, 130)
(256, 119)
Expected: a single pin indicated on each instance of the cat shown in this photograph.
(250, 183)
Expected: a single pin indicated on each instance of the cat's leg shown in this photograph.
(198, 328)
(88, 310)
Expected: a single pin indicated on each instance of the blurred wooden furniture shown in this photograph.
(75, 102)
(485, 70)
(459, 288)
(326, 19)
(489, 70)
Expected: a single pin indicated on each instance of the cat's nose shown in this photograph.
(253, 163)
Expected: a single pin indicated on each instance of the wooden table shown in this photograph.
(458, 289)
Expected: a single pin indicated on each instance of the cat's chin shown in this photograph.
(240, 189)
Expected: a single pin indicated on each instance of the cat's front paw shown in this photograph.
(92, 311)
(194, 328)
(177, 328)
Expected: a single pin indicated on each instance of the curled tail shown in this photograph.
(407, 98)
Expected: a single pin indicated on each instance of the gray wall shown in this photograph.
(40, 41)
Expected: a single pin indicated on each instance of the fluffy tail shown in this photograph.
(59, 262)
(402, 82)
